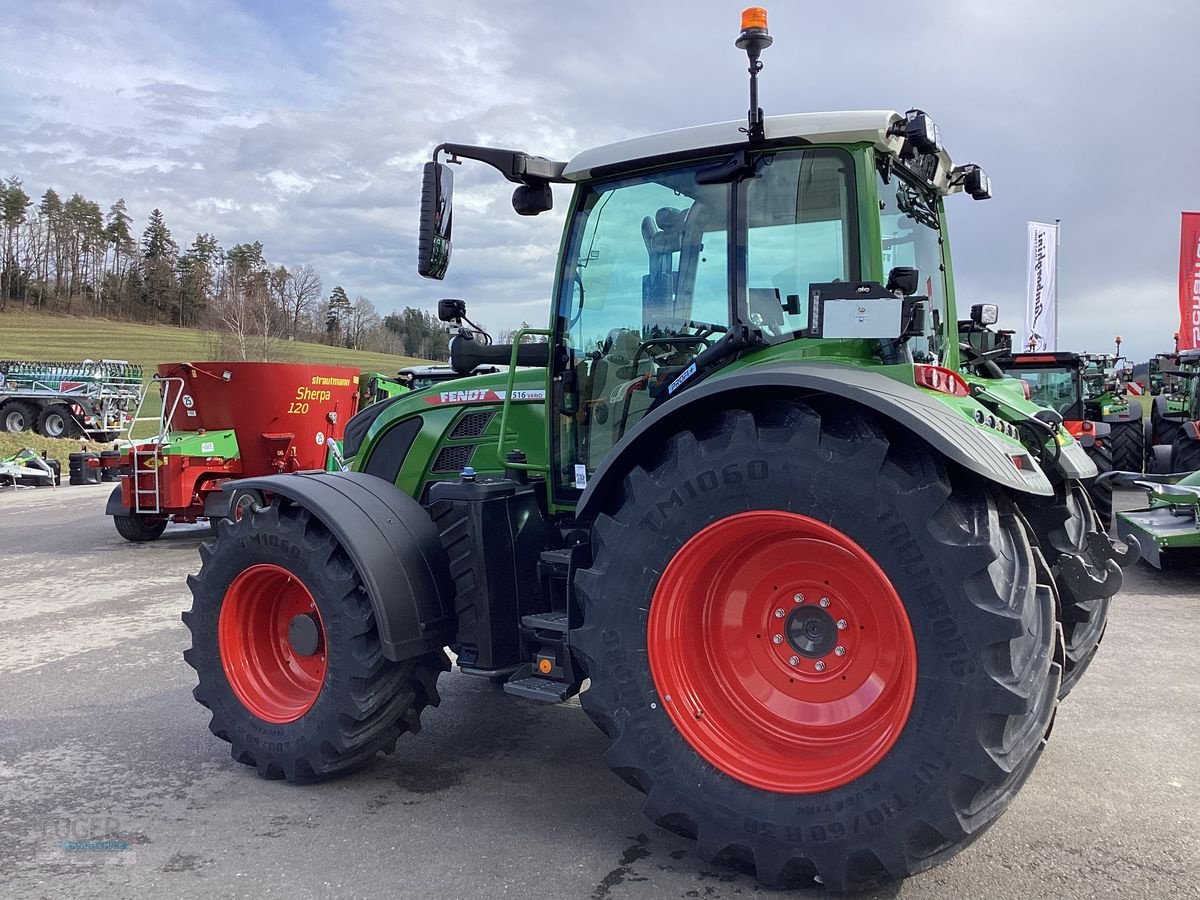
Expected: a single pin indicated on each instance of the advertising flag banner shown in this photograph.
(1189, 282)
(1040, 330)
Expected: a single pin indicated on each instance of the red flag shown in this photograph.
(1189, 282)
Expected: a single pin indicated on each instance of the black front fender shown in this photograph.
(947, 432)
(393, 544)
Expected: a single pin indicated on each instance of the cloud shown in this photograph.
(304, 124)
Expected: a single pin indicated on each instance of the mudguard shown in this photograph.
(115, 507)
(947, 432)
(393, 544)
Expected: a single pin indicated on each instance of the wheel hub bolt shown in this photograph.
(820, 667)
(824, 601)
(799, 598)
(841, 624)
(777, 639)
(779, 613)
(795, 660)
(840, 651)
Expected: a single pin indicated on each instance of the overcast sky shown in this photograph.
(304, 123)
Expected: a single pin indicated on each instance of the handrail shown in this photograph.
(508, 392)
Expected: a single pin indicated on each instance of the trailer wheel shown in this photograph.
(1128, 445)
(139, 527)
(1061, 528)
(1185, 453)
(818, 651)
(57, 421)
(287, 651)
(16, 415)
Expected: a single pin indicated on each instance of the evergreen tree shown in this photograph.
(339, 311)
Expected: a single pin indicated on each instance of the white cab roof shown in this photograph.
(869, 126)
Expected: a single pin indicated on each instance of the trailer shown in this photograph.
(89, 398)
(223, 421)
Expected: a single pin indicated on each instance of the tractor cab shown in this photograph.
(711, 249)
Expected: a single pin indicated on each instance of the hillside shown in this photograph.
(48, 337)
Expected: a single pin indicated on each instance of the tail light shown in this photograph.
(944, 381)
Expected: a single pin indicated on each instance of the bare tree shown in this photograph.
(303, 292)
(363, 319)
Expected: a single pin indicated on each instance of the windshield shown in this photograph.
(1052, 388)
(801, 231)
(652, 278)
(909, 223)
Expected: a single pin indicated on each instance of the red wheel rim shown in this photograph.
(748, 673)
(271, 678)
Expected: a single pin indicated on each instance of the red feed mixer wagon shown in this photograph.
(223, 421)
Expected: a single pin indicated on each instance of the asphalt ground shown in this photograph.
(112, 786)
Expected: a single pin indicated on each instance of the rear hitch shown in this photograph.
(1099, 575)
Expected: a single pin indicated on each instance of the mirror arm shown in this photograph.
(514, 165)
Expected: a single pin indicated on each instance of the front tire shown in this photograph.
(1061, 529)
(287, 652)
(1185, 453)
(934, 578)
(1101, 492)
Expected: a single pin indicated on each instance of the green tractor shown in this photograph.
(825, 589)
(1179, 428)
(1172, 407)
(1088, 390)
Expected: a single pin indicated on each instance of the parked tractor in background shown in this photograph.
(1084, 390)
(375, 387)
(827, 588)
(88, 399)
(221, 422)
(1169, 410)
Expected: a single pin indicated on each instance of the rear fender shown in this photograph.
(393, 544)
(944, 430)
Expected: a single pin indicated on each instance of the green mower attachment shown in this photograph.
(1170, 521)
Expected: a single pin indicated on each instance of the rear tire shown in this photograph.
(139, 528)
(953, 551)
(283, 710)
(1128, 446)
(16, 415)
(58, 422)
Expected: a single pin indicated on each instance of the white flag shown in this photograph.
(1040, 331)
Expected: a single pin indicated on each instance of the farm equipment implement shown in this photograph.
(827, 572)
(91, 399)
(226, 421)
(26, 468)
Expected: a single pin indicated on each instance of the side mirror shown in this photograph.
(985, 314)
(451, 310)
(903, 279)
(433, 239)
(531, 199)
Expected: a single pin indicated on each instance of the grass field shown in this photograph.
(30, 336)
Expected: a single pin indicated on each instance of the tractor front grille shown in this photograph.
(454, 458)
(471, 425)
